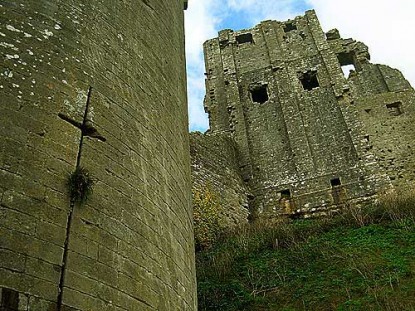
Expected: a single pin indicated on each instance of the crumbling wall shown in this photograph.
(390, 126)
(214, 162)
(279, 91)
(385, 102)
(130, 247)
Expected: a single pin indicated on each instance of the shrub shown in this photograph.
(208, 223)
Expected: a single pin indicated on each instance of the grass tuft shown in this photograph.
(80, 185)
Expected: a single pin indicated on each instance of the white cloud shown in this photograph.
(201, 22)
(385, 26)
(259, 10)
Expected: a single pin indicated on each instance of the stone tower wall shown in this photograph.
(130, 247)
(279, 91)
(387, 110)
(385, 103)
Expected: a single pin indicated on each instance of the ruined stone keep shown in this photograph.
(307, 138)
(98, 85)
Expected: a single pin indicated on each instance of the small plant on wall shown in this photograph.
(80, 185)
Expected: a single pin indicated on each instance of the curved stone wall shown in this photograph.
(116, 71)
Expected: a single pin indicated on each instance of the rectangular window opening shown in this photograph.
(289, 26)
(245, 38)
(346, 58)
(335, 182)
(347, 62)
(395, 109)
(259, 94)
(309, 80)
(9, 300)
(285, 194)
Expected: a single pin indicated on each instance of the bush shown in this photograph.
(208, 223)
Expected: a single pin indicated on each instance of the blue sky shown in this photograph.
(245, 16)
(385, 26)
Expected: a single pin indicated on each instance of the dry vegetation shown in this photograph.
(360, 259)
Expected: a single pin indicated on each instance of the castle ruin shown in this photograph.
(307, 138)
(100, 85)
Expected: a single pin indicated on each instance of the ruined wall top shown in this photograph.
(279, 90)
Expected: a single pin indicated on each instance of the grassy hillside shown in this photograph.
(360, 260)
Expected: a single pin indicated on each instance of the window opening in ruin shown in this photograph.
(223, 43)
(259, 94)
(309, 80)
(338, 193)
(286, 194)
(285, 201)
(290, 26)
(347, 69)
(245, 38)
(9, 300)
(395, 109)
(347, 62)
(335, 182)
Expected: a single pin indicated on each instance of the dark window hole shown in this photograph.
(335, 182)
(395, 109)
(285, 194)
(290, 26)
(245, 38)
(259, 94)
(346, 58)
(9, 300)
(309, 80)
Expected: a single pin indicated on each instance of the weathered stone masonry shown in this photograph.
(131, 246)
(308, 138)
(215, 166)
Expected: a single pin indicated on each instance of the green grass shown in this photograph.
(361, 260)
